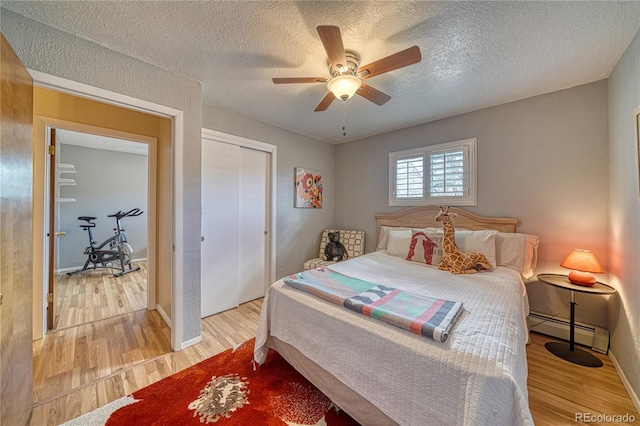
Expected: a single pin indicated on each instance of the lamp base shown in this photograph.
(582, 278)
(576, 356)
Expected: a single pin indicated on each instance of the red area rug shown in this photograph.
(226, 390)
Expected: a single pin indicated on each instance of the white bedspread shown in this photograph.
(477, 377)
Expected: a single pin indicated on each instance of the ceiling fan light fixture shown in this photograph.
(344, 86)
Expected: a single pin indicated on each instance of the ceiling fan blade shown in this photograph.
(325, 102)
(332, 41)
(401, 59)
(374, 95)
(288, 80)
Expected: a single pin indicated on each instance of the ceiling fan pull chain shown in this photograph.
(344, 118)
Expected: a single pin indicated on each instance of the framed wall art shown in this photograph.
(307, 188)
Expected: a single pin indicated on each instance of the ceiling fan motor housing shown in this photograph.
(353, 63)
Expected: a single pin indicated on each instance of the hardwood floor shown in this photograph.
(557, 388)
(96, 295)
(77, 371)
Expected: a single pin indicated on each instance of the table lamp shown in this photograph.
(583, 263)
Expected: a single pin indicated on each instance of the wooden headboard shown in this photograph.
(423, 216)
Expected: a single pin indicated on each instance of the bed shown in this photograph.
(383, 375)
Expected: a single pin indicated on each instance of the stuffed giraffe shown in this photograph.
(453, 260)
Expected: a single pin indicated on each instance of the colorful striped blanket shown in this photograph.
(423, 315)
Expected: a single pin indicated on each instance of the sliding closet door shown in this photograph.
(220, 265)
(254, 187)
(236, 182)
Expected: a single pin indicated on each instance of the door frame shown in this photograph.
(217, 136)
(64, 85)
(51, 123)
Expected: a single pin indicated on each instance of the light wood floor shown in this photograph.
(557, 389)
(79, 371)
(96, 295)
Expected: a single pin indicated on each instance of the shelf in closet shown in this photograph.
(65, 168)
(65, 181)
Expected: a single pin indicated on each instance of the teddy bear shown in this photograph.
(335, 251)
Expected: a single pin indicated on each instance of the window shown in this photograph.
(435, 174)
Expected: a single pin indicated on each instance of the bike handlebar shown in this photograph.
(131, 213)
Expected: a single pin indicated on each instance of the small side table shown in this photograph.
(568, 351)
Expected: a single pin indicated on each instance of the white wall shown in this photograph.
(542, 160)
(45, 49)
(624, 214)
(298, 231)
(106, 182)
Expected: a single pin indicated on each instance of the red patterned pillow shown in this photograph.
(425, 247)
(418, 245)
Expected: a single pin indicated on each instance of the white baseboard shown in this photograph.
(625, 382)
(71, 269)
(75, 268)
(164, 315)
(559, 327)
(183, 345)
(191, 342)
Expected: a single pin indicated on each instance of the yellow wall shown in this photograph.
(51, 106)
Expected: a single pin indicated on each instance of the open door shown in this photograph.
(16, 256)
(52, 233)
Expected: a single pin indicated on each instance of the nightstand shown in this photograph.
(568, 351)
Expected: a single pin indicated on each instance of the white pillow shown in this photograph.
(478, 242)
(383, 238)
(398, 241)
(518, 252)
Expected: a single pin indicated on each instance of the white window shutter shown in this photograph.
(443, 173)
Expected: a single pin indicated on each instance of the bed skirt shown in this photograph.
(344, 397)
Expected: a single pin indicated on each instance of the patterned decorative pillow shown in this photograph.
(425, 247)
(417, 245)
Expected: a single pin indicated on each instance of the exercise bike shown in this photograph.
(117, 255)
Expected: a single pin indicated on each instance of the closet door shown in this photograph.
(254, 187)
(220, 264)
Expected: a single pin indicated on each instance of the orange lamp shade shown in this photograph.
(583, 263)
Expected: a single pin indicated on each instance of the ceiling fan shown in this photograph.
(346, 73)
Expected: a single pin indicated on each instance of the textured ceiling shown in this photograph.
(474, 54)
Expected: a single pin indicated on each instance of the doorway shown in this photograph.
(128, 339)
(61, 111)
(97, 177)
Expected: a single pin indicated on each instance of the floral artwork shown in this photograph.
(308, 188)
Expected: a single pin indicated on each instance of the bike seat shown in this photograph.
(87, 218)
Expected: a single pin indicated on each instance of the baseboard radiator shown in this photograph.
(588, 335)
